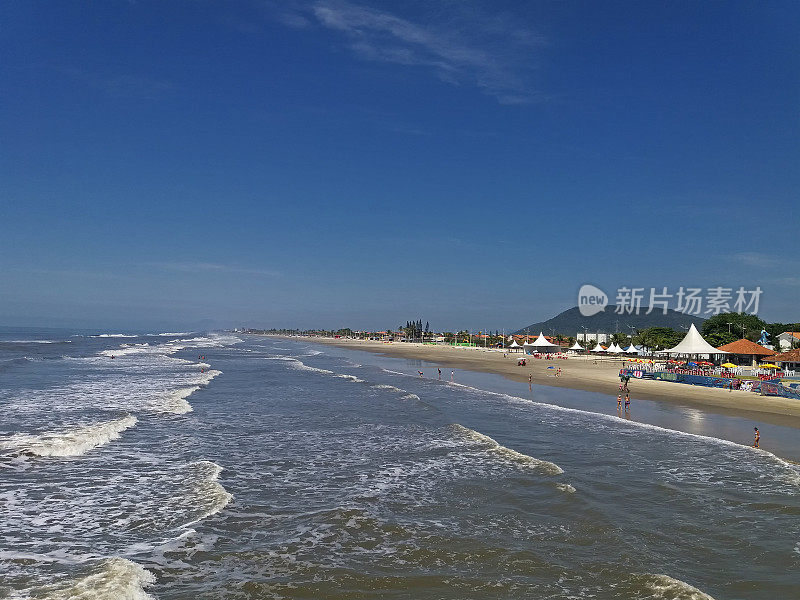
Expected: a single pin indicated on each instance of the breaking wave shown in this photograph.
(508, 454)
(114, 579)
(664, 587)
(113, 335)
(208, 493)
(71, 442)
(176, 402)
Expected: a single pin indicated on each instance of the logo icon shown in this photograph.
(591, 300)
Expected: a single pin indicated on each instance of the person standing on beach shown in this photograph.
(627, 401)
(619, 401)
(757, 438)
(530, 381)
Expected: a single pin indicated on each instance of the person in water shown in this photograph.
(757, 438)
(627, 401)
(619, 400)
(440, 374)
(420, 373)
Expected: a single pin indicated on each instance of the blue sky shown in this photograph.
(330, 163)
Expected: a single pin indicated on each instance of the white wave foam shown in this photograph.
(175, 401)
(114, 335)
(352, 378)
(178, 334)
(409, 397)
(35, 341)
(72, 442)
(383, 386)
(208, 492)
(667, 588)
(299, 365)
(507, 453)
(566, 488)
(116, 579)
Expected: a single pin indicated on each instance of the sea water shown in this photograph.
(275, 468)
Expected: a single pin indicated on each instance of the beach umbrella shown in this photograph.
(769, 366)
(551, 367)
(729, 365)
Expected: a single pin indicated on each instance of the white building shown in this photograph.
(787, 338)
(601, 338)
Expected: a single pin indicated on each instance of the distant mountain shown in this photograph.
(571, 322)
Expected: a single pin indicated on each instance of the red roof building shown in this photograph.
(746, 352)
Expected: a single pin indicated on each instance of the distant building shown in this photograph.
(602, 338)
(787, 338)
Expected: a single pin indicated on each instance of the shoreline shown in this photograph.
(583, 374)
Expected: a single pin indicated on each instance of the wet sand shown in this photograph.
(601, 375)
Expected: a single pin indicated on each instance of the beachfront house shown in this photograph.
(747, 353)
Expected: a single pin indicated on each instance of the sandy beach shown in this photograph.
(601, 375)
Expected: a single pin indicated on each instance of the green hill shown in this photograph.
(571, 322)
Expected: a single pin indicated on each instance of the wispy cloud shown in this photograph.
(204, 267)
(463, 47)
(756, 259)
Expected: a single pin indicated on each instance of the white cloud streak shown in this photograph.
(463, 47)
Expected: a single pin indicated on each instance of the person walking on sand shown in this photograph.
(757, 438)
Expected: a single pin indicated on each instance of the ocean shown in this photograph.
(213, 465)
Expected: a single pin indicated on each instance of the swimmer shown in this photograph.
(420, 373)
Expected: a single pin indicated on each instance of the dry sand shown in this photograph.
(587, 374)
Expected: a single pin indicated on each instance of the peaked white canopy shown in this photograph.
(541, 342)
(694, 343)
(632, 350)
(577, 346)
(614, 348)
(513, 344)
(598, 348)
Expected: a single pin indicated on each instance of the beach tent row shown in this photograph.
(616, 349)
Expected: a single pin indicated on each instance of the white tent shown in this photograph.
(632, 350)
(694, 343)
(576, 346)
(598, 348)
(540, 345)
(614, 348)
(514, 346)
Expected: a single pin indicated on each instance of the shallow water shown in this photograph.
(288, 470)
